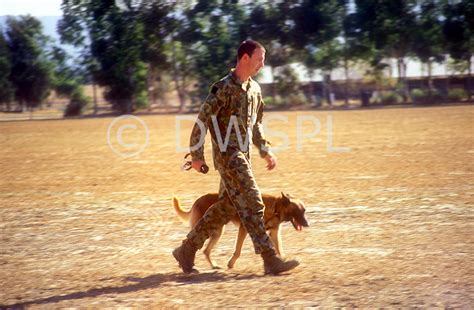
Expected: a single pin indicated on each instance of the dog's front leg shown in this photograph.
(238, 246)
(210, 245)
(275, 237)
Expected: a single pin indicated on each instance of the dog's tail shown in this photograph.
(183, 215)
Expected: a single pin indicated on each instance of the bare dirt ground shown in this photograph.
(391, 220)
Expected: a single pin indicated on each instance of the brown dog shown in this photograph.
(284, 208)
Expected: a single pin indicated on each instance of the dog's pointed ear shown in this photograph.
(285, 199)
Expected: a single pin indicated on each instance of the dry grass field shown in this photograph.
(392, 221)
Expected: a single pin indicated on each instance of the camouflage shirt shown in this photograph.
(233, 114)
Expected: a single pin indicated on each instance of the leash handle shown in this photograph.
(188, 164)
(204, 169)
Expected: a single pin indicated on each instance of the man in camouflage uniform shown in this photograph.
(233, 112)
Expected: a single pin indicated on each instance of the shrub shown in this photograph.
(390, 98)
(141, 100)
(457, 94)
(419, 96)
(273, 101)
(297, 99)
(286, 81)
(65, 88)
(77, 103)
(269, 100)
(437, 96)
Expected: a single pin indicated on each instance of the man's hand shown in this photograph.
(271, 160)
(197, 164)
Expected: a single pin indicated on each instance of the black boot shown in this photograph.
(273, 264)
(185, 254)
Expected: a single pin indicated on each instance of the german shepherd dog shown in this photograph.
(278, 209)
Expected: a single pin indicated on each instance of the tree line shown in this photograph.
(137, 50)
(31, 65)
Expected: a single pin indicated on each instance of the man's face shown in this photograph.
(257, 61)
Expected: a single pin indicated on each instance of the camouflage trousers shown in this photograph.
(239, 193)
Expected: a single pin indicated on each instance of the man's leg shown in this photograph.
(246, 197)
(219, 214)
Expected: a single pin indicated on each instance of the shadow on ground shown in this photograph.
(135, 284)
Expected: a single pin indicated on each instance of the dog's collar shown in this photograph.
(273, 211)
(274, 206)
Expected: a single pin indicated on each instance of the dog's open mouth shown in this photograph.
(297, 225)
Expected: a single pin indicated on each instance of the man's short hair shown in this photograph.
(248, 47)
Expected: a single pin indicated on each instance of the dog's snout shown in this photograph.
(304, 222)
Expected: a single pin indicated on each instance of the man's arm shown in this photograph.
(258, 137)
(259, 140)
(209, 107)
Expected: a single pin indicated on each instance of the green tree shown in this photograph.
(122, 67)
(390, 27)
(73, 29)
(317, 25)
(31, 73)
(67, 83)
(269, 23)
(207, 36)
(64, 78)
(157, 27)
(327, 58)
(315, 22)
(458, 28)
(183, 72)
(287, 86)
(428, 44)
(6, 87)
(356, 47)
(115, 39)
(215, 50)
(185, 38)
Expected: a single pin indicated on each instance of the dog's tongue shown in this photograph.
(299, 227)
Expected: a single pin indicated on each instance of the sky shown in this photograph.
(33, 7)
